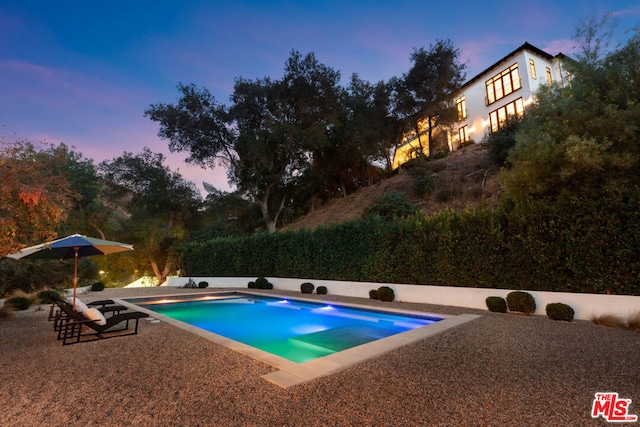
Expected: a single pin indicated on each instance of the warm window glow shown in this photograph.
(461, 105)
(499, 117)
(549, 79)
(532, 69)
(463, 134)
(503, 84)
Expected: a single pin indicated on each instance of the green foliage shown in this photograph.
(422, 177)
(581, 139)
(307, 288)
(573, 245)
(45, 296)
(386, 294)
(28, 275)
(521, 302)
(18, 303)
(263, 283)
(500, 143)
(97, 286)
(373, 294)
(391, 206)
(496, 304)
(426, 89)
(252, 285)
(267, 133)
(203, 284)
(560, 311)
(322, 290)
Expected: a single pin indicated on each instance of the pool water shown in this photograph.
(295, 330)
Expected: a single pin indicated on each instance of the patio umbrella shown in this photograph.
(74, 246)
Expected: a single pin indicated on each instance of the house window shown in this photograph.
(463, 134)
(503, 84)
(549, 79)
(461, 105)
(499, 117)
(532, 69)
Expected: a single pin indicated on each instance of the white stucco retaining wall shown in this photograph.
(584, 305)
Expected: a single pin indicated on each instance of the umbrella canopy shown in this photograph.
(74, 246)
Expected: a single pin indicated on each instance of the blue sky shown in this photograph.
(83, 72)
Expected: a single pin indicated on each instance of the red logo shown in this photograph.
(612, 408)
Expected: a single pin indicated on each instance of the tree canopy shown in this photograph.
(35, 193)
(155, 207)
(425, 91)
(582, 138)
(265, 137)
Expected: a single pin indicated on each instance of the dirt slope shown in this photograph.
(463, 178)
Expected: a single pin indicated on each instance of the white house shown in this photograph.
(504, 89)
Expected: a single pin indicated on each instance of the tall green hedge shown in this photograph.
(579, 245)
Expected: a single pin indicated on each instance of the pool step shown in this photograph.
(339, 339)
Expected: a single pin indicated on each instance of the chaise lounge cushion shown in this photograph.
(95, 315)
(80, 307)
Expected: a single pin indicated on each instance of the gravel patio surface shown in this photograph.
(500, 369)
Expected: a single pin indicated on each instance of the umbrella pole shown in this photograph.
(75, 276)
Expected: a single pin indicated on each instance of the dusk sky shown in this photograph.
(83, 73)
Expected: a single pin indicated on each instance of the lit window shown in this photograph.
(461, 105)
(532, 69)
(503, 84)
(491, 95)
(515, 78)
(493, 118)
(463, 134)
(549, 79)
(499, 117)
(499, 91)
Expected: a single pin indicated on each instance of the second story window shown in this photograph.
(503, 84)
(549, 79)
(532, 69)
(461, 106)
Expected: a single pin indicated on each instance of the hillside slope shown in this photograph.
(463, 178)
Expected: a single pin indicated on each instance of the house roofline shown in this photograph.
(525, 46)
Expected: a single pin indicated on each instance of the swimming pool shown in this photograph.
(291, 373)
(299, 331)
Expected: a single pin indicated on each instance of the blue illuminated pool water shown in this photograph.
(296, 330)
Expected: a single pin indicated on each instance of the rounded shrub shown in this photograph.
(522, 302)
(307, 288)
(252, 285)
(97, 286)
(385, 293)
(560, 311)
(373, 294)
(17, 303)
(496, 304)
(263, 283)
(392, 205)
(322, 290)
(203, 284)
(45, 296)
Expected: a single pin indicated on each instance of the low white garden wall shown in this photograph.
(584, 305)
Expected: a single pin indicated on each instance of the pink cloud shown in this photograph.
(63, 89)
(626, 12)
(565, 46)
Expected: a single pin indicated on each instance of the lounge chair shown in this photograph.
(104, 306)
(73, 325)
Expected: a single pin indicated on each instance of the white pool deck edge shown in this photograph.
(291, 373)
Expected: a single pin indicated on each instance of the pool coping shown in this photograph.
(292, 373)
